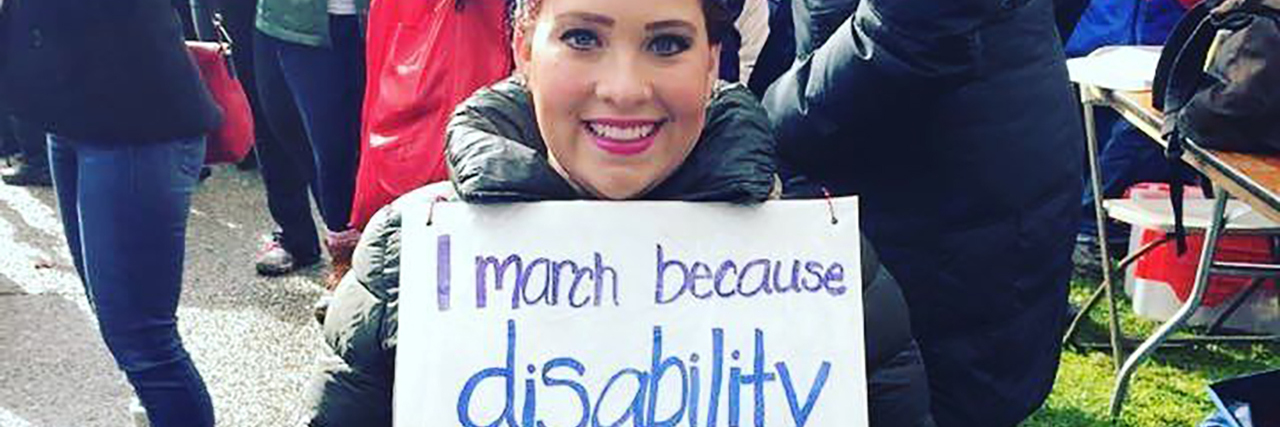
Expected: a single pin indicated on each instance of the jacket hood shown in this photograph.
(496, 153)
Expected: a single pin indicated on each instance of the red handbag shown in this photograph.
(230, 142)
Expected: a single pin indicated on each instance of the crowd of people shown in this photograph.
(952, 120)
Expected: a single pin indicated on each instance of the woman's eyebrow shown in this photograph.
(672, 23)
(587, 17)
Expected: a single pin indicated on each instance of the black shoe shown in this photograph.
(274, 260)
(1087, 261)
(1087, 258)
(26, 176)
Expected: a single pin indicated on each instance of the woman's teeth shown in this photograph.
(622, 133)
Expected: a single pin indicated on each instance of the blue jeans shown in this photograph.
(124, 211)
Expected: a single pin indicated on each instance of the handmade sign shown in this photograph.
(631, 314)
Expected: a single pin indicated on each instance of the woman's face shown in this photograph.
(619, 87)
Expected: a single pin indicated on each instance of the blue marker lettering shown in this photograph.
(578, 389)
(800, 413)
(658, 370)
(634, 409)
(507, 372)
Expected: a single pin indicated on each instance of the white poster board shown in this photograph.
(631, 314)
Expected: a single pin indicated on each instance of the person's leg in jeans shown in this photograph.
(63, 165)
(1105, 121)
(328, 86)
(125, 209)
(286, 165)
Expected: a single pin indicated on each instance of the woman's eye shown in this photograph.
(580, 39)
(669, 45)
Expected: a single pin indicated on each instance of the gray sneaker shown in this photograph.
(275, 260)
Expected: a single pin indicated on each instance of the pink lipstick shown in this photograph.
(623, 137)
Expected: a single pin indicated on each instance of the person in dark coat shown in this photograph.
(503, 146)
(955, 122)
(126, 113)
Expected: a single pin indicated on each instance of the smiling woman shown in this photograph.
(642, 79)
(613, 100)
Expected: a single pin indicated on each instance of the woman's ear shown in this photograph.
(521, 50)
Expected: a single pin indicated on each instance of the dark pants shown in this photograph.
(8, 144)
(19, 137)
(124, 211)
(8, 141)
(1127, 157)
(30, 141)
(327, 86)
(286, 160)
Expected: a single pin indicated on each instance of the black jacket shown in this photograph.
(955, 122)
(496, 155)
(112, 71)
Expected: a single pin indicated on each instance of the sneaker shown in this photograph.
(341, 245)
(26, 176)
(275, 260)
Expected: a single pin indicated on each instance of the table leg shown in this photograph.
(1188, 308)
(1100, 221)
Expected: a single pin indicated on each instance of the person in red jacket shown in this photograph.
(423, 59)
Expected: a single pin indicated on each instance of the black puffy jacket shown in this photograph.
(496, 155)
(954, 122)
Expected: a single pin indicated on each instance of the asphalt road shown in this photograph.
(253, 339)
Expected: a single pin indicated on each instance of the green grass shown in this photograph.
(1167, 390)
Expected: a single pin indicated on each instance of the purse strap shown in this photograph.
(225, 43)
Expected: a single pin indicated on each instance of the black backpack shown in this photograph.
(1232, 102)
(1218, 83)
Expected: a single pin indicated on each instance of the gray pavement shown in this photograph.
(252, 338)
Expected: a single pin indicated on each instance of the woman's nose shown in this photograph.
(623, 84)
